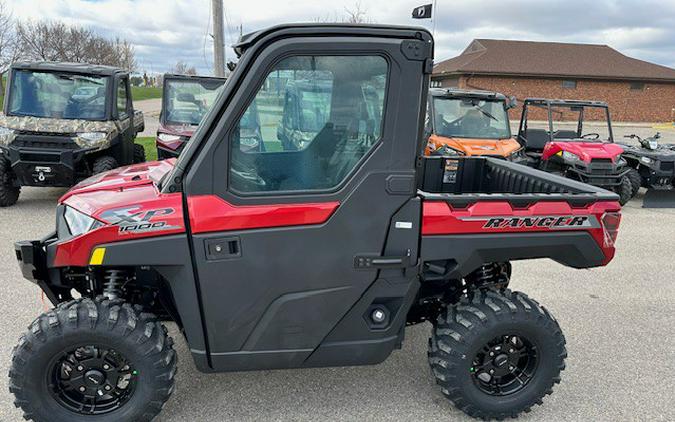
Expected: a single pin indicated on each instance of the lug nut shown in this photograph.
(82, 389)
(106, 366)
(378, 316)
(511, 350)
(492, 353)
(108, 388)
(80, 368)
(492, 371)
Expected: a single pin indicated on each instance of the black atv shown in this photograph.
(652, 167)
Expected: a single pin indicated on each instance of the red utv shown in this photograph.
(574, 139)
(185, 101)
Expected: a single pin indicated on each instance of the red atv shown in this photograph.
(315, 256)
(574, 139)
(185, 101)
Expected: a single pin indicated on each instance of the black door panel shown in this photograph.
(293, 296)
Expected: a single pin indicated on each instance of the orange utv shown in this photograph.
(462, 122)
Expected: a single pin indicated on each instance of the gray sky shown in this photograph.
(165, 31)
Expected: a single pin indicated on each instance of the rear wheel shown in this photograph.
(139, 154)
(93, 360)
(625, 190)
(9, 193)
(496, 355)
(635, 180)
(104, 163)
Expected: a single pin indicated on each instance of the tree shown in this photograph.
(57, 41)
(357, 14)
(182, 68)
(8, 50)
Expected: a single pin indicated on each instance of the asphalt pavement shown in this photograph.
(619, 322)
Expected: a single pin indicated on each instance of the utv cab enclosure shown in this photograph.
(574, 139)
(185, 101)
(64, 122)
(319, 256)
(473, 123)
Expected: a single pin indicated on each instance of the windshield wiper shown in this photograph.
(485, 113)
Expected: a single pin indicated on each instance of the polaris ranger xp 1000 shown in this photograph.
(64, 122)
(319, 256)
(574, 139)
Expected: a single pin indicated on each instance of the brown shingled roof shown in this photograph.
(549, 59)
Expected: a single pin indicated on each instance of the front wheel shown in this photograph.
(93, 360)
(635, 180)
(9, 193)
(139, 154)
(625, 190)
(497, 354)
(105, 163)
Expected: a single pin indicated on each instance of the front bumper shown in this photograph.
(604, 175)
(44, 167)
(33, 258)
(661, 178)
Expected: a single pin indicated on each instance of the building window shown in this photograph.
(569, 84)
(435, 84)
(637, 86)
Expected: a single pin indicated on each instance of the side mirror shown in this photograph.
(512, 102)
(186, 97)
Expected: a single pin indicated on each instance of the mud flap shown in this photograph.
(659, 199)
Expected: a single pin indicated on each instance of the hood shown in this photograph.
(587, 151)
(60, 126)
(51, 125)
(123, 186)
(469, 146)
(180, 130)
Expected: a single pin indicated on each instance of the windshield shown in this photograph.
(58, 95)
(470, 118)
(187, 101)
(571, 122)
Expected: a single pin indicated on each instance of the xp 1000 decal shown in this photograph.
(136, 220)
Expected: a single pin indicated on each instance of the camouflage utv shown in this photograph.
(64, 122)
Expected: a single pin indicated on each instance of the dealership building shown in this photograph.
(636, 90)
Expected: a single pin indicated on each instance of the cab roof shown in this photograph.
(192, 77)
(79, 68)
(333, 29)
(466, 93)
(545, 102)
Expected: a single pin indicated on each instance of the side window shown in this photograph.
(311, 122)
(122, 98)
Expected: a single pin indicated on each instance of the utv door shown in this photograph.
(295, 250)
(124, 149)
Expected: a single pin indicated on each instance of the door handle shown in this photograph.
(222, 248)
(377, 261)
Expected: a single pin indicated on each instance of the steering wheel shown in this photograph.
(594, 136)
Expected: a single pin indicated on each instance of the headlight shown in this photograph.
(6, 135)
(566, 155)
(653, 144)
(646, 160)
(79, 223)
(165, 137)
(92, 136)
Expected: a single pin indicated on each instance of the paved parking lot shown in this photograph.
(619, 322)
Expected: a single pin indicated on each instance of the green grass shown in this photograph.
(140, 93)
(148, 143)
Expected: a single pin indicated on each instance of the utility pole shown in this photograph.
(218, 41)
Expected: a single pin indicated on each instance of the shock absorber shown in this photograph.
(113, 281)
(492, 275)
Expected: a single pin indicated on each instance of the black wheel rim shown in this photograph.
(505, 365)
(91, 380)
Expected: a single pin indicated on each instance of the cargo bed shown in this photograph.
(464, 180)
